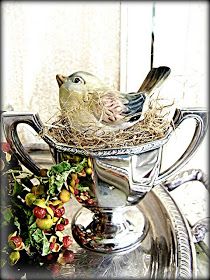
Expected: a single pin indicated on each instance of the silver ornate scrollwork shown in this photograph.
(201, 227)
(186, 260)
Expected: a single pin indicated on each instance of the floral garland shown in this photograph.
(33, 209)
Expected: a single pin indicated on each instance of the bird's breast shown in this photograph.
(83, 120)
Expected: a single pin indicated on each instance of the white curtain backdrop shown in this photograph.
(42, 39)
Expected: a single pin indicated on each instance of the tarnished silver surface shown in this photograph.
(166, 251)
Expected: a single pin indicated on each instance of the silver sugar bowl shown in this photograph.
(121, 178)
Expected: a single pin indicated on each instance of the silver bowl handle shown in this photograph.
(10, 121)
(201, 118)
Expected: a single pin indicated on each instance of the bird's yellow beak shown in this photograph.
(60, 79)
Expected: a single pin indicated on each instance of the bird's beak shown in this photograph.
(60, 79)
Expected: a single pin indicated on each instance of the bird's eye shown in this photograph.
(77, 80)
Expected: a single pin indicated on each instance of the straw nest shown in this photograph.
(154, 126)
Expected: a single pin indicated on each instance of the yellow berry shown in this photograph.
(89, 163)
(45, 223)
(88, 170)
(74, 176)
(30, 198)
(64, 195)
(14, 257)
(71, 189)
(72, 183)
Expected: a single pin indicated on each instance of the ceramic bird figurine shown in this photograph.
(92, 106)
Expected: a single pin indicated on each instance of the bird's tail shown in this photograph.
(154, 79)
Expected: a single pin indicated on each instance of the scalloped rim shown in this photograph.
(98, 152)
(186, 254)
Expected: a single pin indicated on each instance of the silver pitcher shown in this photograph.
(121, 178)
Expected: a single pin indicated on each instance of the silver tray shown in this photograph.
(166, 252)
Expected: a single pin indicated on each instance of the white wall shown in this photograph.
(40, 40)
(181, 41)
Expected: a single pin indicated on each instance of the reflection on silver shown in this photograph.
(130, 177)
(111, 230)
(166, 251)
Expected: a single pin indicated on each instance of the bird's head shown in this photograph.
(79, 81)
(77, 87)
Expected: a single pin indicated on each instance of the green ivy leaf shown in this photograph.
(27, 242)
(7, 214)
(46, 246)
(60, 168)
(59, 173)
(52, 185)
(32, 226)
(17, 188)
(17, 224)
(28, 213)
(82, 188)
(37, 235)
(80, 166)
(31, 219)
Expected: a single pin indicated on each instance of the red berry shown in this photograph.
(17, 241)
(86, 193)
(59, 212)
(47, 231)
(62, 210)
(39, 212)
(5, 147)
(66, 222)
(52, 207)
(52, 245)
(67, 241)
(60, 227)
(77, 181)
(78, 199)
(76, 191)
(90, 201)
(68, 256)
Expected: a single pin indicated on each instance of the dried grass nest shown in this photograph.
(154, 126)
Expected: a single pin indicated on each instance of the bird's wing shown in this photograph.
(118, 107)
(154, 79)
